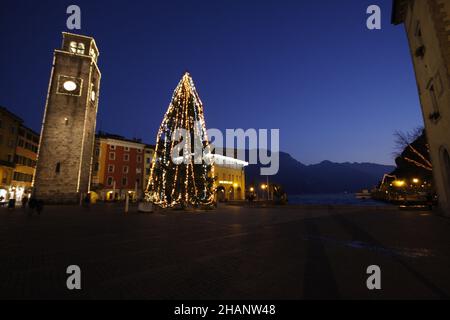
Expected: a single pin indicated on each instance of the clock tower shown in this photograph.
(63, 169)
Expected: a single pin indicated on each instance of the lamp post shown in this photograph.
(264, 187)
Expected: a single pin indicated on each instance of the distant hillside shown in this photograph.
(325, 177)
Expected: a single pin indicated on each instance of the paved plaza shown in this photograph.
(229, 253)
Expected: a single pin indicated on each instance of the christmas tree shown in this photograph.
(176, 178)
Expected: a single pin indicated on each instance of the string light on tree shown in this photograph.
(189, 182)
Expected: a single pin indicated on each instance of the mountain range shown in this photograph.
(324, 177)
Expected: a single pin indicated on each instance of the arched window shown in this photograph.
(73, 47)
(81, 48)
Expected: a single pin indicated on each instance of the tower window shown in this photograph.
(58, 167)
(78, 48)
(418, 32)
(420, 50)
(73, 47)
(81, 48)
(434, 98)
(435, 113)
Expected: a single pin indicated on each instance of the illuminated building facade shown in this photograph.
(427, 24)
(25, 162)
(230, 178)
(63, 169)
(18, 152)
(118, 167)
(9, 128)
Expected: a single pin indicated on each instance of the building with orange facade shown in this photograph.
(18, 153)
(25, 162)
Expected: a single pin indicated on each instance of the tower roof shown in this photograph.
(81, 37)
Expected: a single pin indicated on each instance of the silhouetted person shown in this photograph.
(24, 202)
(11, 204)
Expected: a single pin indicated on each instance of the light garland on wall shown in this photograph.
(188, 183)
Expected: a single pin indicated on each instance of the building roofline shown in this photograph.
(11, 114)
(105, 135)
(29, 129)
(77, 35)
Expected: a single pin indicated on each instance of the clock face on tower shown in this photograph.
(69, 85)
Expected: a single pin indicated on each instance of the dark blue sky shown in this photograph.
(336, 90)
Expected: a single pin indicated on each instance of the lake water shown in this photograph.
(332, 199)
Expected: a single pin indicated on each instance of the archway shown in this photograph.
(221, 196)
(231, 193)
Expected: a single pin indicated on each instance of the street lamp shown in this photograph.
(399, 183)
